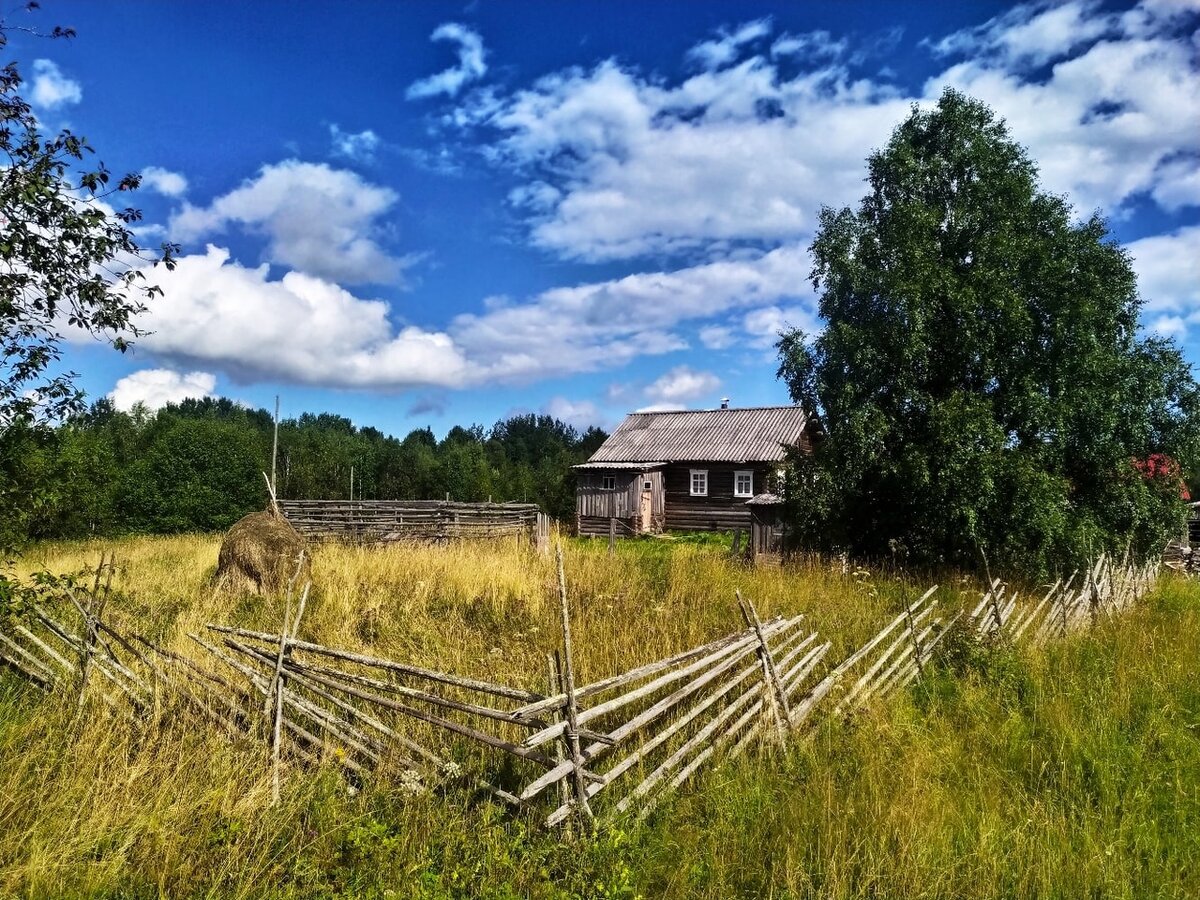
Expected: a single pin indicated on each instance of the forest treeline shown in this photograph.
(197, 466)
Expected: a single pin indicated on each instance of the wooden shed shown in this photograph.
(686, 471)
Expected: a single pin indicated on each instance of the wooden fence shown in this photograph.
(624, 741)
(396, 520)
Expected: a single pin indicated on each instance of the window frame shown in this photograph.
(692, 473)
(608, 482)
(737, 475)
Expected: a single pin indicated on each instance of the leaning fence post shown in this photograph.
(554, 687)
(775, 691)
(612, 535)
(93, 610)
(916, 642)
(568, 676)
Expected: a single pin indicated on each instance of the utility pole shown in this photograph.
(352, 482)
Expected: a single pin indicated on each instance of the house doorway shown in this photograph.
(647, 507)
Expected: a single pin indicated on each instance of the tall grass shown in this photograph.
(1069, 772)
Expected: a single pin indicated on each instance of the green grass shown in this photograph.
(1068, 772)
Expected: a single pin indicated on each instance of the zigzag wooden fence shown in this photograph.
(624, 741)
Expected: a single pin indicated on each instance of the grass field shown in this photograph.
(1066, 772)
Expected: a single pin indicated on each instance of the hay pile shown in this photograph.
(259, 553)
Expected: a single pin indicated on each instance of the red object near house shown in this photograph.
(1159, 465)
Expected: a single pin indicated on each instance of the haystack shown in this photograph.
(260, 553)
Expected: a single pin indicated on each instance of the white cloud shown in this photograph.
(763, 326)
(358, 147)
(618, 164)
(682, 384)
(1110, 121)
(579, 413)
(717, 337)
(317, 219)
(1168, 269)
(298, 328)
(1032, 33)
(1168, 326)
(726, 47)
(167, 183)
(51, 88)
(471, 65)
(155, 388)
(609, 323)
(218, 314)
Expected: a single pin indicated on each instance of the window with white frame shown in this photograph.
(743, 483)
(699, 482)
(608, 482)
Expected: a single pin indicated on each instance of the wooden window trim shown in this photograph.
(692, 473)
(737, 475)
(608, 482)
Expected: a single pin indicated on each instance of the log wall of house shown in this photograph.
(595, 505)
(720, 510)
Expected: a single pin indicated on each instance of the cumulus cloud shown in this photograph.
(581, 414)
(316, 219)
(155, 388)
(221, 315)
(763, 326)
(681, 385)
(471, 65)
(51, 88)
(162, 181)
(717, 337)
(1113, 117)
(298, 328)
(1168, 269)
(605, 324)
(618, 164)
(358, 147)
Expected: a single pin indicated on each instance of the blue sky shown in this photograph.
(434, 214)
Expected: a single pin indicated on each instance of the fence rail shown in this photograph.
(396, 520)
(626, 740)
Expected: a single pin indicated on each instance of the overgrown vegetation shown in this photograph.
(981, 382)
(1066, 772)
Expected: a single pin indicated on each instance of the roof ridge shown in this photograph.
(672, 412)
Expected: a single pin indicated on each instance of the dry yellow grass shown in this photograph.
(1066, 774)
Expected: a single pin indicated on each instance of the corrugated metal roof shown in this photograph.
(620, 466)
(756, 434)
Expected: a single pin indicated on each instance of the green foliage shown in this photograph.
(67, 259)
(197, 466)
(981, 383)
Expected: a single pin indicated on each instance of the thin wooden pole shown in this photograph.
(568, 675)
(275, 449)
(280, 681)
(554, 683)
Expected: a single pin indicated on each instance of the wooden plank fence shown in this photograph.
(369, 521)
(625, 741)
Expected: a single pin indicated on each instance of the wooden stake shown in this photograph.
(568, 675)
(778, 699)
(275, 452)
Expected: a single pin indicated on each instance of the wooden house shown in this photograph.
(687, 471)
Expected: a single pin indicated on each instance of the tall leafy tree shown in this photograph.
(68, 259)
(981, 382)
